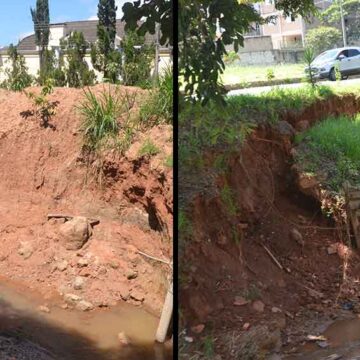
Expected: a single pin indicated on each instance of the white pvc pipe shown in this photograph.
(165, 316)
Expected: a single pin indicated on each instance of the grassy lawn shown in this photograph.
(248, 74)
(332, 148)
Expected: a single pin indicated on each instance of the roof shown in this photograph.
(87, 27)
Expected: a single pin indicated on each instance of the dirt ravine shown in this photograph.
(43, 171)
(229, 281)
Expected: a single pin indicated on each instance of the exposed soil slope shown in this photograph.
(227, 267)
(43, 171)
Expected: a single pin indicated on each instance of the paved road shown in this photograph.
(259, 90)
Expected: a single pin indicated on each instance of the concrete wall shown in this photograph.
(256, 43)
(271, 57)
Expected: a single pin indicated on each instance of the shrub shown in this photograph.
(231, 57)
(309, 57)
(44, 109)
(138, 58)
(77, 71)
(17, 75)
(159, 106)
(270, 75)
(101, 116)
(323, 38)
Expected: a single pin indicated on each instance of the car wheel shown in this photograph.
(332, 75)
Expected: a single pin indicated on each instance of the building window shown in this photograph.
(290, 19)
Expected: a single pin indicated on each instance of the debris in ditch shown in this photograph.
(332, 249)
(348, 305)
(246, 326)
(323, 344)
(189, 339)
(258, 306)
(316, 338)
(240, 301)
(198, 329)
(296, 236)
(333, 357)
(273, 258)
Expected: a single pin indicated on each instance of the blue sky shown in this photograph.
(16, 22)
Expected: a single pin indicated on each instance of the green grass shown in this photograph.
(248, 74)
(148, 149)
(169, 161)
(101, 115)
(332, 148)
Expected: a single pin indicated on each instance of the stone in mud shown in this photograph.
(26, 249)
(131, 274)
(44, 309)
(62, 265)
(78, 283)
(284, 128)
(84, 305)
(258, 306)
(83, 262)
(198, 329)
(75, 233)
(296, 236)
(71, 298)
(137, 296)
(302, 125)
(123, 339)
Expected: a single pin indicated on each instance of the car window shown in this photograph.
(327, 55)
(345, 53)
(353, 52)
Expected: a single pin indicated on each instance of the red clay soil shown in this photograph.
(226, 258)
(43, 171)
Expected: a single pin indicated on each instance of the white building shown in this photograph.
(28, 48)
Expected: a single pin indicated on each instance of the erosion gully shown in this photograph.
(74, 335)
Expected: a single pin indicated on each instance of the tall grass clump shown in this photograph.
(331, 148)
(104, 116)
(158, 108)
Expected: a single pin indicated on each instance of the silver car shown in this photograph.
(348, 59)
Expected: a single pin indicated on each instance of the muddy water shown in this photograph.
(71, 334)
(343, 338)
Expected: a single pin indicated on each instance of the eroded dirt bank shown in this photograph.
(251, 305)
(43, 170)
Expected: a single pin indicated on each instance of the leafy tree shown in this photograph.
(201, 48)
(138, 58)
(323, 38)
(17, 77)
(77, 71)
(103, 54)
(41, 20)
(150, 12)
(351, 8)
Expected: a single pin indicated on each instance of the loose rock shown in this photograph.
(123, 339)
(296, 235)
(78, 283)
(71, 298)
(75, 233)
(26, 249)
(44, 309)
(83, 262)
(62, 265)
(198, 329)
(84, 305)
(258, 306)
(130, 275)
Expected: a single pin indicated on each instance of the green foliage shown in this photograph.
(323, 38)
(231, 57)
(337, 71)
(270, 75)
(44, 109)
(209, 350)
(184, 224)
(41, 19)
(309, 57)
(17, 77)
(77, 73)
(201, 50)
(252, 293)
(101, 116)
(104, 57)
(138, 58)
(150, 13)
(169, 161)
(148, 149)
(228, 198)
(332, 148)
(158, 108)
(351, 9)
